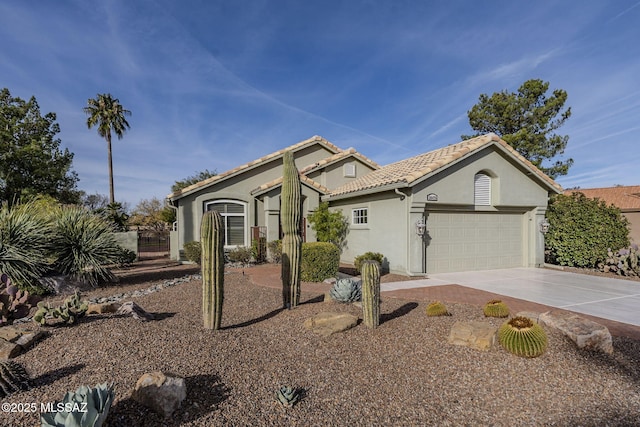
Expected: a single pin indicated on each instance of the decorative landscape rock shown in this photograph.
(160, 392)
(476, 335)
(135, 311)
(584, 332)
(103, 308)
(329, 323)
(14, 340)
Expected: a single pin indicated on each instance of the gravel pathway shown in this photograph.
(402, 374)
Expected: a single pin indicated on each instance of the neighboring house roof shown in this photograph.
(248, 166)
(625, 198)
(407, 172)
(277, 182)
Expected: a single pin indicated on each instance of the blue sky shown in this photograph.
(214, 84)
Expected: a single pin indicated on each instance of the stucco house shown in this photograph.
(624, 197)
(474, 205)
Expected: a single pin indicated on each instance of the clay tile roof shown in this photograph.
(254, 163)
(276, 182)
(405, 172)
(625, 198)
(338, 156)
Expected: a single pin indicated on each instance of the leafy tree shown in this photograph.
(193, 179)
(153, 214)
(108, 114)
(31, 162)
(581, 230)
(94, 202)
(527, 121)
(329, 226)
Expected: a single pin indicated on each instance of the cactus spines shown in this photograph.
(370, 271)
(495, 308)
(291, 215)
(437, 308)
(522, 337)
(212, 238)
(13, 377)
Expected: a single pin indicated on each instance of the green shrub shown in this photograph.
(320, 260)
(581, 230)
(240, 254)
(126, 257)
(24, 243)
(329, 226)
(83, 244)
(193, 251)
(373, 256)
(259, 249)
(275, 251)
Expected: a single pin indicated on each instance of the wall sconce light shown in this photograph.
(544, 226)
(421, 227)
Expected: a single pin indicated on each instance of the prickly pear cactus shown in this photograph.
(212, 239)
(370, 293)
(291, 215)
(495, 308)
(437, 308)
(522, 337)
(13, 377)
(346, 290)
(287, 396)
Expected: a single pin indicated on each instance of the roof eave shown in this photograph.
(366, 191)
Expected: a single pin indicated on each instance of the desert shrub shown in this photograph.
(83, 244)
(240, 254)
(275, 251)
(126, 257)
(320, 260)
(581, 230)
(373, 256)
(193, 251)
(24, 243)
(329, 226)
(259, 249)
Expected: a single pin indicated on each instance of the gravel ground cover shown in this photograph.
(402, 374)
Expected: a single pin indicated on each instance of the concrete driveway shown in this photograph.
(613, 299)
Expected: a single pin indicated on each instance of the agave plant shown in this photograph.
(83, 244)
(287, 396)
(437, 308)
(93, 406)
(24, 242)
(522, 337)
(346, 290)
(496, 308)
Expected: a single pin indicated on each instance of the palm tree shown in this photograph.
(109, 115)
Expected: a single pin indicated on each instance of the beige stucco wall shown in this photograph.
(634, 226)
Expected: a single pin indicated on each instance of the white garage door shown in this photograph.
(474, 241)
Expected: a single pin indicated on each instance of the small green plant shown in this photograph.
(240, 254)
(89, 408)
(275, 251)
(259, 249)
(437, 308)
(329, 226)
(373, 256)
(14, 303)
(126, 257)
(68, 313)
(625, 262)
(495, 308)
(13, 377)
(193, 251)
(320, 260)
(287, 396)
(346, 290)
(522, 337)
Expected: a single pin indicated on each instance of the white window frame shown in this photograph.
(482, 189)
(360, 216)
(224, 216)
(349, 170)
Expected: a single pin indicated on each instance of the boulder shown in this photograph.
(584, 332)
(329, 323)
(105, 307)
(135, 311)
(476, 335)
(14, 340)
(9, 350)
(160, 392)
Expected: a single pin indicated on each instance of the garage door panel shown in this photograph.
(474, 241)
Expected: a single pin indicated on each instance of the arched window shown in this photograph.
(482, 189)
(234, 216)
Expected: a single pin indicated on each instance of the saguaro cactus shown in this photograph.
(370, 271)
(291, 215)
(212, 240)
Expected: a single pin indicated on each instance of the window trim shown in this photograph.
(360, 214)
(482, 191)
(225, 215)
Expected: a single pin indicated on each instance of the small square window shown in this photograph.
(359, 216)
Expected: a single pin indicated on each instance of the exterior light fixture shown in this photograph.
(544, 226)
(421, 227)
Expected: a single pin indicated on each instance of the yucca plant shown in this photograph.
(437, 308)
(83, 244)
(24, 242)
(495, 308)
(522, 337)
